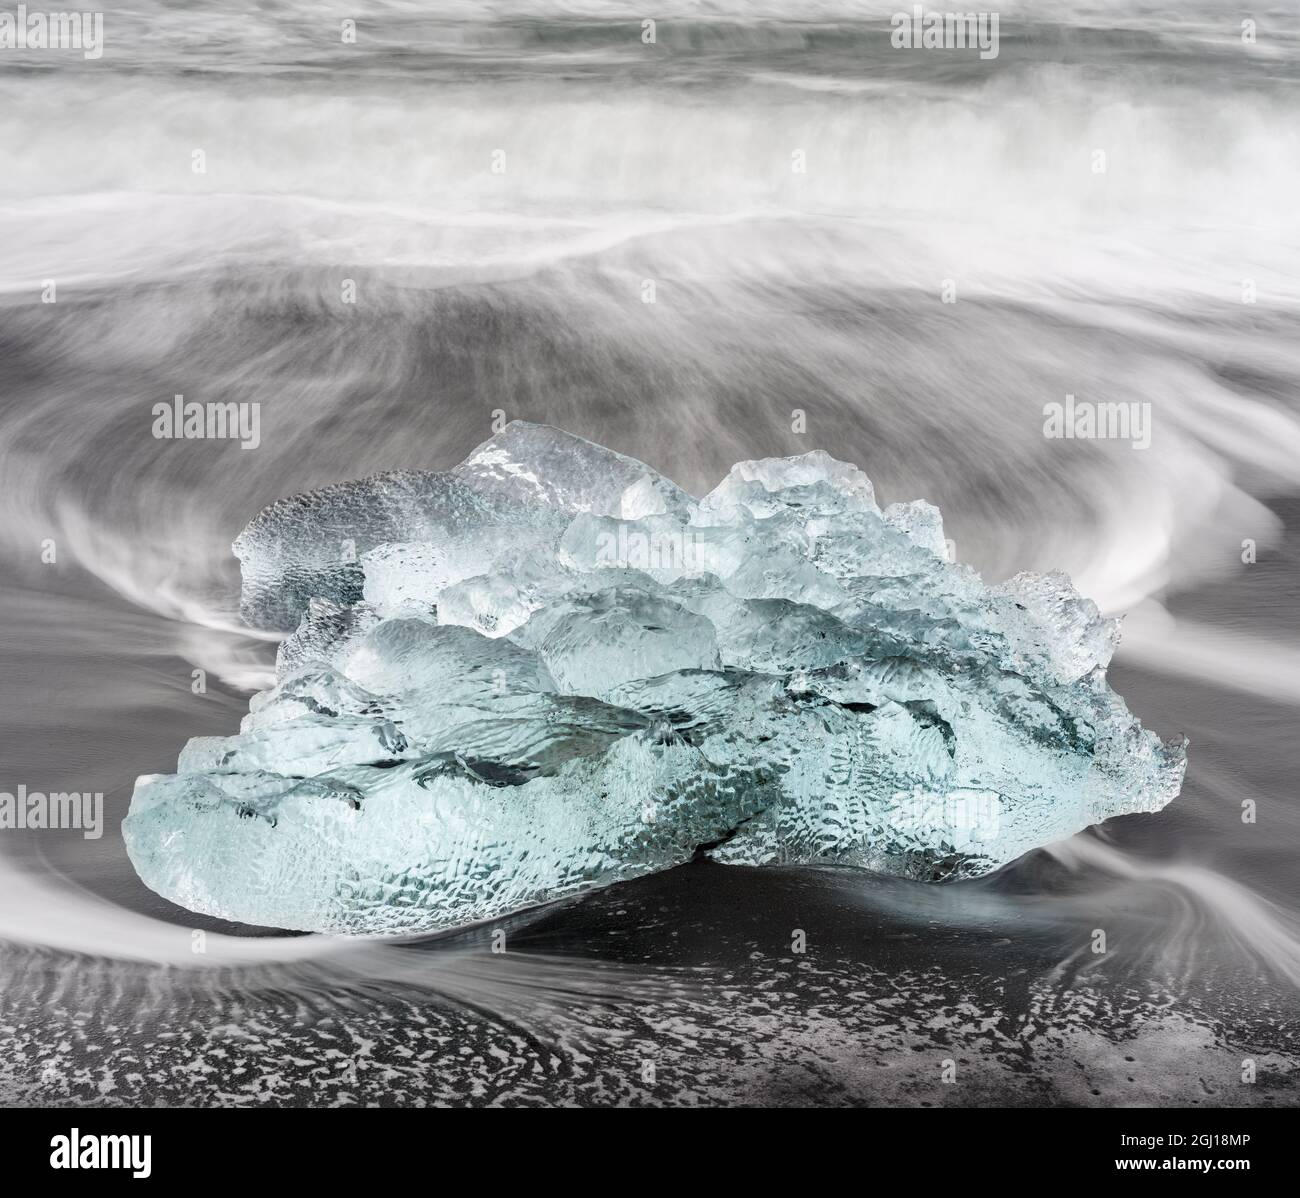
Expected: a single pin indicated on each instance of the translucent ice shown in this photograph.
(550, 669)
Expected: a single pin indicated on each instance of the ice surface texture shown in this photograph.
(551, 669)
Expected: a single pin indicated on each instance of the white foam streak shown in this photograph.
(1254, 665)
(1264, 932)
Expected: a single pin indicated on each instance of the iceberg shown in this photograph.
(551, 669)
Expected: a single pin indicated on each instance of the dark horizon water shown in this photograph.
(521, 294)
